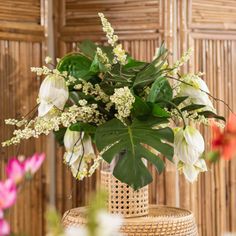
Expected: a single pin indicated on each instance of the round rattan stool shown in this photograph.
(161, 221)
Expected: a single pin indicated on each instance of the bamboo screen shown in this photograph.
(207, 26)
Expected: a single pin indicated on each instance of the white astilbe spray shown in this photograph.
(119, 52)
(107, 28)
(102, 57)
(123, 100)
(44, 125)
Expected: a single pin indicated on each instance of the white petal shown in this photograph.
(53, 90)
(44, 108)
(71, 157)
(190, 173)
(201, 165)
(72, 138)
(108, 224)
(76, 231)
(194, 139)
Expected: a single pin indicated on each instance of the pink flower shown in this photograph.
(4, 228)
(15, 170)
(8, 193)
(32, 164)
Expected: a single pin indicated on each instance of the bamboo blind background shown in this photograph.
(208, 26)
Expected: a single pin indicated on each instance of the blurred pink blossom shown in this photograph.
(4, 228)
(32, 164)
(15, 170)
(8, 193)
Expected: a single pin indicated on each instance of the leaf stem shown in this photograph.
(176, 107)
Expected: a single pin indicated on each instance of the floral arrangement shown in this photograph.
(102, 99)
(17, 171)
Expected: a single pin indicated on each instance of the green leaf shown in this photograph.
(88, 48)
(192, 107)
(160, 90)
(59, 135)
(140, 107)
(133, 64)
(85, 127)
(153, 70)
(159, 112)
(179, 100)
(210, 114)
(114, 137)
(76, 64)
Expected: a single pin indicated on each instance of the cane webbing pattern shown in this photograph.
(161, 221)
(122, 199)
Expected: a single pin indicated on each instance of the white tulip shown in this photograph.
(197, 92)
(53, 93)
(188, 148)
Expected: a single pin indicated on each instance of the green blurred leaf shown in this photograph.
(76, 65)
(140, 107)
(192, 107)
(87, 128)
(179, 100)
(113, 137)
(88, 48)
(159, 112)
(160, 90)
(59, 135)
(210, 114)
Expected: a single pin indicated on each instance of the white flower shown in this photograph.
(79, 152)
(109, 225)
(188, 148)
(48, 60)
(197, 91)
(191, 171)
(189, 144)
(53, 92)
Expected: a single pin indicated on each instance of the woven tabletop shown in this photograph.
(161, 220)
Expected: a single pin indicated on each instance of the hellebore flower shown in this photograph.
(15, 170)
(53, 93)
(224, 142)
(188, 148)
(32, 164)
(8, 194)
(4, 228)
(196, 91)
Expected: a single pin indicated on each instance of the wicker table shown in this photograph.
(161, 221)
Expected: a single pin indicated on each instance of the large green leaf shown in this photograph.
(153, 70)
(76, 64)
(114, 137)
(88, 48)
(160, 90)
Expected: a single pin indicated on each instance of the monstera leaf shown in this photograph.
(114, 137)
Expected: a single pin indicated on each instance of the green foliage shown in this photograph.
(115, 137)
(76, 65)
(210, 114)
(160, 90)
(88, 48)
(59, 135)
